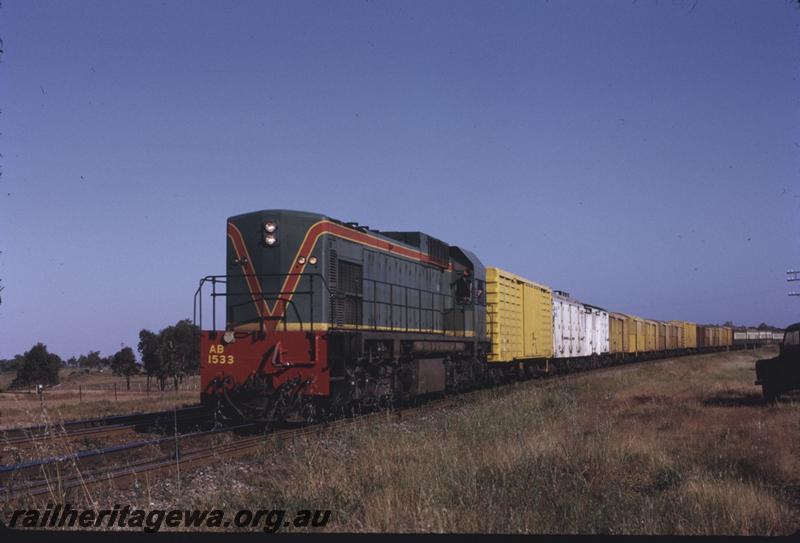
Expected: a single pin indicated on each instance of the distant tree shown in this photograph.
(17, 362)
(179, 348)
(124, 363)
(72, 362)
(9, 364)
(729, 323)
(151, 358)
(38, 367)
(91, 361)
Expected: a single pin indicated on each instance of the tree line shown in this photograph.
(172, 353)
(169, 354)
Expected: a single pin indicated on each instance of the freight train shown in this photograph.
(752, 337)
(324, 317)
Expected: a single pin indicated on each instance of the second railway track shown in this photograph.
(94, 428)
(56, 478)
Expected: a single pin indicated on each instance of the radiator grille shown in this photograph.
(349, 279)
(337, 308)
(349, 287)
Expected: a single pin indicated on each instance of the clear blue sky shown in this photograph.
(643, 156)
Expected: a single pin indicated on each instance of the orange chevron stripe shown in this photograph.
(309, 241)
(253, 285)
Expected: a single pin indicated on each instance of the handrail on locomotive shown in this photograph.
(456, 305)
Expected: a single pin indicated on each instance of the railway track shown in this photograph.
(57, 479)
(99, 427)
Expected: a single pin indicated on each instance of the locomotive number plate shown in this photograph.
(216, 355)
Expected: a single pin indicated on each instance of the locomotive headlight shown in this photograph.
(270, 227)
(312, 260)
(270, 239)
(301, 260)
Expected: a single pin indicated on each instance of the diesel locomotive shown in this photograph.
(325, 317)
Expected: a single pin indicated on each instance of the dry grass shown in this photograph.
(28, 410)
(96, 398)
(678, 447)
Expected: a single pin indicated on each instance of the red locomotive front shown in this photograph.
(263, 376)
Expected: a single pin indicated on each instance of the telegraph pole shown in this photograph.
(793, 275)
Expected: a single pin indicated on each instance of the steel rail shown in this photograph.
(186, 459)
(92, 427)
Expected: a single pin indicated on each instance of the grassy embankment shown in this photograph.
(683, 446)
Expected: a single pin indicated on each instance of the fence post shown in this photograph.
(115, 391)
(80, 394)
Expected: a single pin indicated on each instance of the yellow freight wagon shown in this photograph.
(690, 334)
(672, 336)
(650, 335)
(519, 317)
(623, 322)
(680, 335)
(637, 331)
(728, 336)
(712, 336)
(661, 344)
(616, 324)
(632, 333)
(687, 334)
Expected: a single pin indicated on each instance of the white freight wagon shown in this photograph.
(578, 329)
(597, 329)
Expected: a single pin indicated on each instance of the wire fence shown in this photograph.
(117, 388)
